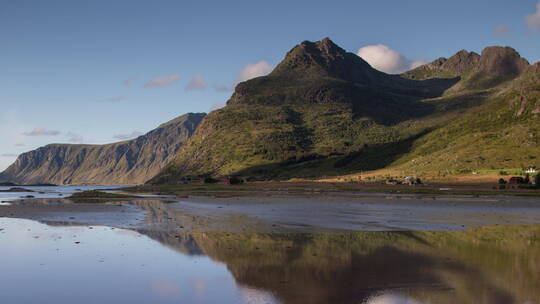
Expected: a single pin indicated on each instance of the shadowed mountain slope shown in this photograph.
(323, 111)
(504, 133)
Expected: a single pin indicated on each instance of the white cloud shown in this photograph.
(502, 29)
(74, 138)
(533, 21)
(128, 136)
(250, 71)
(160, 82)
(196, 83)
(41, 132)
(387, 60)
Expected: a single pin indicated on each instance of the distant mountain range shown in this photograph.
(128, 162)
(323, 111)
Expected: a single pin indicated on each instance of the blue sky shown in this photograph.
(99, 71)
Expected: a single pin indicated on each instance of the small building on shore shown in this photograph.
(516, 180)
(231, 180)
(532, 170)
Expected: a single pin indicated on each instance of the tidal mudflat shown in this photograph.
(274, 249)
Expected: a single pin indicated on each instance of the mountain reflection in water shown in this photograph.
(496, 264)
(484, 265)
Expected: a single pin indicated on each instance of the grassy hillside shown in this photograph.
(323, 112)
(503, 133)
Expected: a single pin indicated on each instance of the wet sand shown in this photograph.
(285, 213)
(65, 211)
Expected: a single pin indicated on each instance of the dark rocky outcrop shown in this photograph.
(496, 65)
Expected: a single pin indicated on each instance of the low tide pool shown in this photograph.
(57, 263)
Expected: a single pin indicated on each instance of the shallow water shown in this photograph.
(98, 264)
(47, 191)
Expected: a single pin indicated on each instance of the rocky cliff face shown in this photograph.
(496, 65)
(128, 162)
(525, 93)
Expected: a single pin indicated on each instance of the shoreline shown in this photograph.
(324, 188)
(276, 213)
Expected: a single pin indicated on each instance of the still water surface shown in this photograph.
(47, 191)
(54, 263)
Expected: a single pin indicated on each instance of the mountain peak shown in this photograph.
(499, 60)
(307, 54)
(325, 47)
(495, 65)
(324, 57)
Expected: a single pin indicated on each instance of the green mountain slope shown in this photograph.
(503, 133)
(129, 162)
(323, 111)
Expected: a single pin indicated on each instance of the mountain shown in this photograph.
(128, 162)
(323, 111)
(494, 66)
(504, 133)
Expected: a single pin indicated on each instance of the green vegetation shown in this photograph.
(94, 196)
(325, 112)
(322, 188)
(502, 133)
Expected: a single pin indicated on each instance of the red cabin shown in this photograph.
(515, 180)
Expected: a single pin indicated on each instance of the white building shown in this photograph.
(531, 170)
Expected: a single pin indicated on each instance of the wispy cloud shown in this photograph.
(19, 145)
(117, 98)
(41, 132)
(533, 20)
(128, 82)
(197, 83)
(385, 59)
(258, 69)
(160, 82)
(74, 138)
(222, 88)
(502, 29)
(128, 136)
(9, 155)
